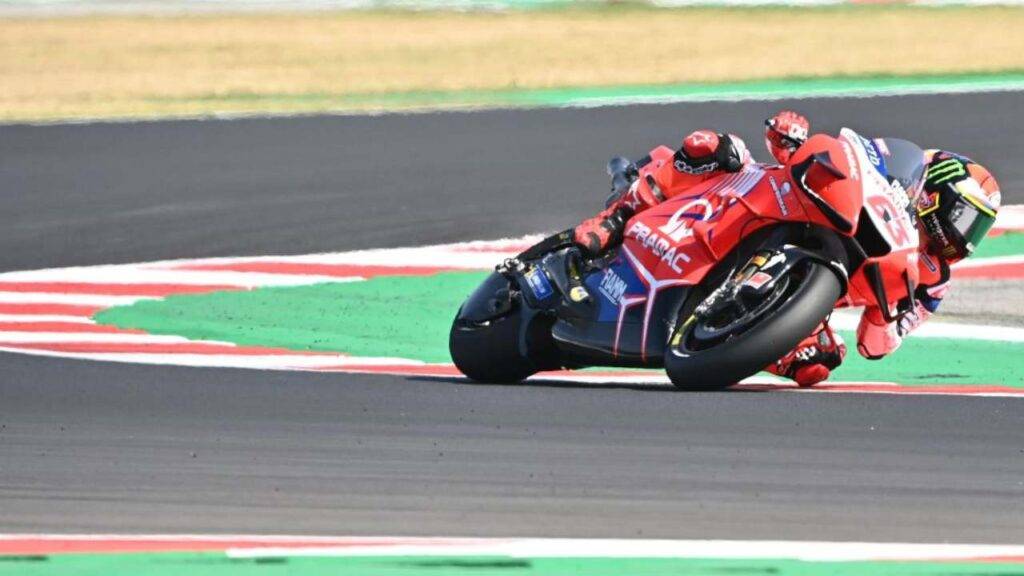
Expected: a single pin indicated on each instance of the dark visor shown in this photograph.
(970, 223)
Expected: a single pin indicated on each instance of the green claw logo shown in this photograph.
(945, 171)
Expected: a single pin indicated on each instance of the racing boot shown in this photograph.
(813, 359)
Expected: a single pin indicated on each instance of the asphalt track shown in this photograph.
(121, 448)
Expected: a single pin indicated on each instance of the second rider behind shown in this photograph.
(955, 211)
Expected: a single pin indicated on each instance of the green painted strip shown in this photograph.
(406, 317)
(594, 96)
(929, 361)
(1008, 244)
(409, 317)
(217, 564)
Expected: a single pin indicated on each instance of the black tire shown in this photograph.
(743, 355)
(490, 351)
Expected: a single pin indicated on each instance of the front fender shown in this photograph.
(491, 299)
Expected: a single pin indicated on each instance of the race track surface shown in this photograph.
(122, 448)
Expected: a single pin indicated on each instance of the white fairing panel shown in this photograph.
(886, 204)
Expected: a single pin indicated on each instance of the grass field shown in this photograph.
(101, 66)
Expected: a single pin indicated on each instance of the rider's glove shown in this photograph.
(623, 172)
(704, 152)
(911, 320)
(600, 232)
(813, 359)
(784, 133)
(876, 337)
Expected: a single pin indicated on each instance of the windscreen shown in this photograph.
(904, 161)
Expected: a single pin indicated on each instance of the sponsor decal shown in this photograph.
(929, 263)
(661, 247)
(946, 171)
(872, 154)
(851, 159)
(757, 280)
(539, 284)
(578, 294)
(927, 203)
(899, 195)
(678, 226)
(633, 200)
(780, 194)
(682, 166)
(612, 286)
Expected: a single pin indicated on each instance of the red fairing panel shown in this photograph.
(844, 195)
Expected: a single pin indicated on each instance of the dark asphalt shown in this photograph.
(122, 448)
(114, 193)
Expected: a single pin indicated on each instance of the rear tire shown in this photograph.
(790, 320)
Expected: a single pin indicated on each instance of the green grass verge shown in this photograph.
(217, 564)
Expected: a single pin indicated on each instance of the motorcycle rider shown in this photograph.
(955, 210)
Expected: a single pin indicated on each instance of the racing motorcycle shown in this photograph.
(713, 285)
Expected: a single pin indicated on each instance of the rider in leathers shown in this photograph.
(955, 210)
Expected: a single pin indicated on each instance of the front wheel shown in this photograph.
(728, 339)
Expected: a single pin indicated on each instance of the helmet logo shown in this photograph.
(945, 171)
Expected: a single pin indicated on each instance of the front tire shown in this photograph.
(493, 350)
(694, 361)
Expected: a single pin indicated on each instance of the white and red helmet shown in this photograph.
(784, 133)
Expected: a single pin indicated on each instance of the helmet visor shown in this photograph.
(969, 222)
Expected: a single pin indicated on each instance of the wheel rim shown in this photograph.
(732, 316)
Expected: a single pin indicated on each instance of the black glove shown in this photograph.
(727, 157)
(623, 173)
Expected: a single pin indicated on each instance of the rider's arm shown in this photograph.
(703, 154)
(877, 338)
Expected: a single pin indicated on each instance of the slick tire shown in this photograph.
(491, 351)
(743, 355)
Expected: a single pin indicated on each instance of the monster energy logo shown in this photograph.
(945, 171)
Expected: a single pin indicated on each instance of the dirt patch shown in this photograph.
(132, 65)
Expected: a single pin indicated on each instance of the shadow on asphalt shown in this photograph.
(664, 388)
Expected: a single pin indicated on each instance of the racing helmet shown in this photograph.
(958, 205)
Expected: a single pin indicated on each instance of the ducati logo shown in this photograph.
(678, 226)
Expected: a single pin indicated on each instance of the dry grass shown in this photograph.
(116, 65)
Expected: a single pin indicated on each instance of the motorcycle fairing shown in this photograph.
(629, 306)
(674, 245)
(658, 260)
(891, 273)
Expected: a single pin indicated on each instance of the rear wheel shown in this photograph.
(732, 335)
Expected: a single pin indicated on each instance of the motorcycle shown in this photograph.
(715, 284)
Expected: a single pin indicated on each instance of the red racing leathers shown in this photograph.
(661, 175)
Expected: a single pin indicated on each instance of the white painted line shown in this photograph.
(848, 318)
(813, 551)
(60, 298)
(583, 548)
(990, 261)
(148, 275)
(1010, 217)
(257, 362)
(44, 318)
(92, 338)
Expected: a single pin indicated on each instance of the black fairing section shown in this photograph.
(592, 341)
(490, 300)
